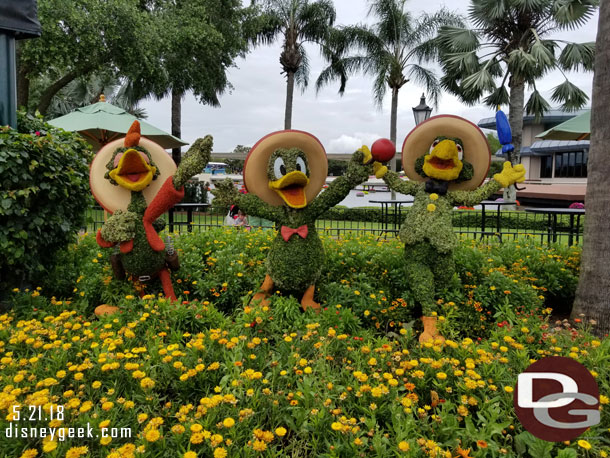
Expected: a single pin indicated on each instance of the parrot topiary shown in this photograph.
(137, 181)
(446, 159)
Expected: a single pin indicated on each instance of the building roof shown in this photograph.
(553, 116)
(546, 147)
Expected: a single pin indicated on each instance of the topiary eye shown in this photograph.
(279, 168)
(301, 167)
(434, 143)
(460, 151)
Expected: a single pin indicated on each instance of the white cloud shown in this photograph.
(346, 144)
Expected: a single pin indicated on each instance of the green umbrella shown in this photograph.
(103, 122)
(577, 128)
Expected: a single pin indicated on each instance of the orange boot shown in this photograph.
(307, 301)
(430, 333)
(105, 309)
(264, 292)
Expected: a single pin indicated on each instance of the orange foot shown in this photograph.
(105, 309)
(264, 292)
(430, 333)
(307, 301)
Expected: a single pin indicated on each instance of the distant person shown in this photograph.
(242, 220)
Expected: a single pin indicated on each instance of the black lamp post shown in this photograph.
(422, 111)
(18, 20)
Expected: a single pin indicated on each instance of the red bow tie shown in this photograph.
(288, 232)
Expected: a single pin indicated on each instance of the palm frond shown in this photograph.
(572, 97)
(480, 81)
(462, 62)
(342, 69)
(301, 77)
(457, 39)
(425, 77)
(380, 84)
(262, 28)
(543, 54)
(577, 56)
(522, 64)
(484, 12)
(537, 105)
(571, 14)
(393, 20)
(427, 26)
(362, 38)
(498, 97)
(529, 6)
(315, 19)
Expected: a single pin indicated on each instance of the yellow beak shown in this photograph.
(291, 188)
(133, 172)
(443, 162)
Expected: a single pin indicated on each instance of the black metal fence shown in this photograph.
(494, 222)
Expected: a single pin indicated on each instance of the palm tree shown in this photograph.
(593, 293)
(87, 90)
(508, 43)
(391, 50)
(298, 22)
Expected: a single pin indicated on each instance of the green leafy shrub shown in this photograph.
(362, 276)
(44, 194)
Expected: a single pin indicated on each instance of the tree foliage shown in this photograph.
(509, 43)
(44, 182)
(298, 22)
(391, 51)
(81, 37)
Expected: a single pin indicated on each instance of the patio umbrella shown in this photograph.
(577, 128)
(103, 122)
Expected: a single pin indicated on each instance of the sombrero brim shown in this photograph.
(256, 164)
(112, 197)
(476, 148)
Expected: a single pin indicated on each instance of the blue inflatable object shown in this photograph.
(504, 133)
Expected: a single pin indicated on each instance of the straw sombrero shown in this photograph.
(112, 197)
(255, 167)
(476, 148)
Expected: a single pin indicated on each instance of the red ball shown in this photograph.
(383, 150)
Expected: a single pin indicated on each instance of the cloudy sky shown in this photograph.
(255, 107)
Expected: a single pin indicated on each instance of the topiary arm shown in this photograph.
(358, 171)
(472, 198)
(194, 161)
(252, 205)
(508, 176)
(395, 183)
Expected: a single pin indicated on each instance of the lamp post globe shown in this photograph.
(422, 111)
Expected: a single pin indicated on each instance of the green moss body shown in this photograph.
(428, 235)
(142, 260)
(296, 264)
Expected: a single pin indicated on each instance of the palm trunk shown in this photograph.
(176, 122)
(515, 119)
(49, 92)
(393, 121)
(289, 97)
(593, 293)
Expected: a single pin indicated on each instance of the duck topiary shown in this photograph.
(284, 173)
